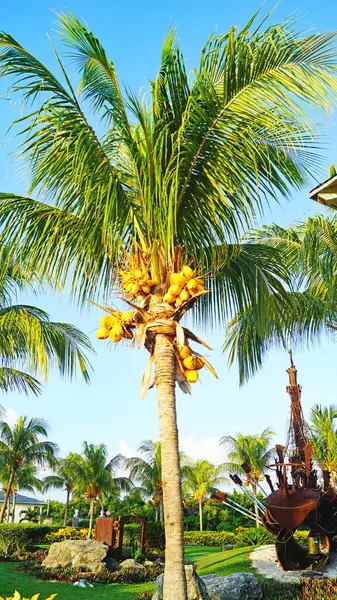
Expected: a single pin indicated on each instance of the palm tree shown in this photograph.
(148, 473)
(323, 437)
(201, 478)
(29, 341)
(64, 479)
(20, 446)
(172, 181)
(306, 310)
(94, 476)
(249, 455)
(26, 479)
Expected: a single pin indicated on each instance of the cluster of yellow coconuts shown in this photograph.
(136, 282)
(191, 364)
(115, 326)
(184, 285)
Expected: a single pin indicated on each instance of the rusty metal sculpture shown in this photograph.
(299, 500)
(111, 532)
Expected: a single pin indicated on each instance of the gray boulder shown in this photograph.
(196, 589)
(239, 586)
(130, 563)
(87, 555)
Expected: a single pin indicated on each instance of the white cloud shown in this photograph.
(208, 448)
(11, 417)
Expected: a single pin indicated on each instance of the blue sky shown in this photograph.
(109, 410)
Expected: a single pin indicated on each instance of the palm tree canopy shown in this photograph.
(28, 339)
(94, 473)
(146, 471)
(302, 314)
(323, 436)
(190, 165)
(20, 445)
(65, 474)
(200, 477)
(251, 450)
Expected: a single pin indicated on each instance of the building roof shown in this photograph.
(326, 192)
(20, 499)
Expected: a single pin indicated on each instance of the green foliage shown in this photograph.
(254, 536)
(301, 537)
(155, 536)
(307, 589)
(20, 537)
(209, 538)
(144, 596)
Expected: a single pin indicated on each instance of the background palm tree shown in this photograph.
(323, 436)
(29, 341)
(180, 178)
(306, 310)
(147, 473)
(249, 455)
(94, 476)
(64, 478)
(20, 447)
(200, 478)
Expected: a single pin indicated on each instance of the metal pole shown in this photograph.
(241, 511)
(240, 508)
(238, 481)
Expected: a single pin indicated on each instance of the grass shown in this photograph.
(206, 559)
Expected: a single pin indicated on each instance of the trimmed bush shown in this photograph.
(155, 536)
(21, 537)
(209, 538)
(254, 536)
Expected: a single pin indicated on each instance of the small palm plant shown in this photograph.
(249, 455)
(201, 478)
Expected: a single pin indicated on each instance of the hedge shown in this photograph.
(20, 537)
(209, 538)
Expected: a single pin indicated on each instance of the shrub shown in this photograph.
(69, 574)
(209, 538)
(143, 596)
(20, 537)
(67, 533)
(254, 536)
(155, 536)
(307, 589)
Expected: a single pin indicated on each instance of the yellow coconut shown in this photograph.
(146, 289)
(178, 279)
(189, 363)
(174, 289)
(187, 271)
(179, 302)
(115, 336)
(192, 376)
(169, 299)
(138, 274)
(184, 352)
(184, 295)
(200, 287)
(127, 317)
(107, 321)
(150, 282)
(192, 284)
(102, 333)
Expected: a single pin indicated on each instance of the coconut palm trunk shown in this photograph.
(174, 575)
(91, 517)
(13, 506)
(200, 514)
(256, 510)
(6, 497)
(66, 509)
(161, 509)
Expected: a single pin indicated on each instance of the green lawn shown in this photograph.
(207, 560)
